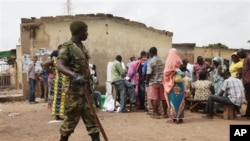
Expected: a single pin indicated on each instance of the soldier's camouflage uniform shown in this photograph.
(76, 107)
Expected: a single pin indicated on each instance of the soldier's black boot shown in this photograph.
(95, 136)
(64, 138)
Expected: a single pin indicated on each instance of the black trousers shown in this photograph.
(247, 95)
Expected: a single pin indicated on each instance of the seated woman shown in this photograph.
(202, 88)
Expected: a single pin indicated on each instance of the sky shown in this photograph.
(191, 21)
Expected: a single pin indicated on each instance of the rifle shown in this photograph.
(94, 114)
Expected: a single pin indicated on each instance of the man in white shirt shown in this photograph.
(189, 72)
(31, 79)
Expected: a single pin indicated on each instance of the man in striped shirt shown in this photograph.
(232, 93)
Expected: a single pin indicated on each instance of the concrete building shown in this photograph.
(191, 52)
(108, 36)
(186, 50)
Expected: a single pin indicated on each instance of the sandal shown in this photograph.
(165, 116)
(179, 121)
(58, 118)
(155, 116)
(125, 111)
(149, 113)
(171, 121)
(207, 116)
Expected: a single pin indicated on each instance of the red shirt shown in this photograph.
(198, 68)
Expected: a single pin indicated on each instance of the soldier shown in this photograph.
(73, 63)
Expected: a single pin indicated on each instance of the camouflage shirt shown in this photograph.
(76, 59)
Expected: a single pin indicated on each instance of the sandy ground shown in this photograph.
(20, 121)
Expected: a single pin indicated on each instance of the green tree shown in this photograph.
(218, 45)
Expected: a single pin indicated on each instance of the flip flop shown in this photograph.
(179, 121)
(155, 116)
(149, 113)
(165, 116)
(207, 116)
(125, 111)
(171, 121)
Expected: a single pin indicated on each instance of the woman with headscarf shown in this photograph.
(218, 80)
(218, 69)
(236, 65)
(174, 91)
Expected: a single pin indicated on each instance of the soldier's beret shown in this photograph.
(77, 26)
(54, 53)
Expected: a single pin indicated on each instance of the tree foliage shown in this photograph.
(218, 45)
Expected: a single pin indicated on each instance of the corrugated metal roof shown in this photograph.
(5, 54)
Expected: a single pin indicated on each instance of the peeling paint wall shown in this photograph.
(186, 50)
(108, 37)
(19, 67)
(210, 53)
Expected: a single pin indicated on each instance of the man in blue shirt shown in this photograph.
(44, 83)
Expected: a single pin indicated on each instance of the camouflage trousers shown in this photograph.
(76, 108)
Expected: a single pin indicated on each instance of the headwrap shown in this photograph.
(173, 62)
(218, 59)
(77, 26)
(234, 54)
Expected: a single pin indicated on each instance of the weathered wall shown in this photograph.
(191, 52)
(213, 52)
(108, 37)
(19, 67)
(186, 50)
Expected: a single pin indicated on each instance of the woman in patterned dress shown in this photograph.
(57, 93)
(202, 88)
(57, 96)
(174, 89)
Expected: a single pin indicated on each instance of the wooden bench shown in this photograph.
(228, 112)
(194, 104)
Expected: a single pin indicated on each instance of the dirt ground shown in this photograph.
(20, 121)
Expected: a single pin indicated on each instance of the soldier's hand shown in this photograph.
(79, 80)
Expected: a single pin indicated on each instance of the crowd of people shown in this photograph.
(151, 84)
(161, 88)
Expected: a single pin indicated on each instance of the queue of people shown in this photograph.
(180, 79)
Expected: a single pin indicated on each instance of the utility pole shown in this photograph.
(69, 7)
